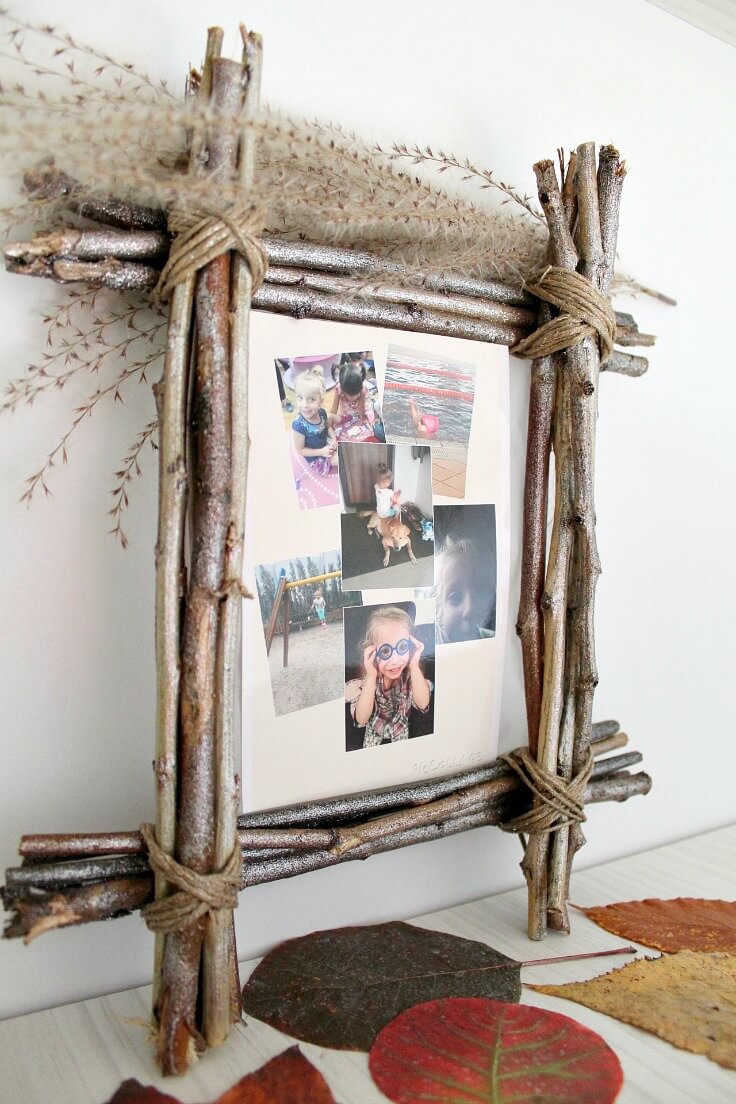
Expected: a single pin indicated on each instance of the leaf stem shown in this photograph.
(575, 957)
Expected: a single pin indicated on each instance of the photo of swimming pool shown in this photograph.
(427, 399)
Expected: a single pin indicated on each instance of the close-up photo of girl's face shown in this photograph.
(308, 399)
(463, 595)
(393, 647)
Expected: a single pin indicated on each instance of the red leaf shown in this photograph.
(466, 1051)
(287, 1079)
(132, 1092)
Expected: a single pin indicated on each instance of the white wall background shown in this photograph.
(504, 84)
(413, 478)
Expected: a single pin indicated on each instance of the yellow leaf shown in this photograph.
(688, 998)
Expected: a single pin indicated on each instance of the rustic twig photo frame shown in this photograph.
(212, 264)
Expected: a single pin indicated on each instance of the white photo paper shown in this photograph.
(377, 551)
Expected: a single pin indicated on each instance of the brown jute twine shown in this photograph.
(201, 236)
(560, 802)
(197, 894)
(584, 312)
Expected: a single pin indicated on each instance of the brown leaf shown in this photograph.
(289, 1078)
(681, 924)
(473, 1050)
(338, 988)
(688, 998)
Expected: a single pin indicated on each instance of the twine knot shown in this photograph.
(560, 802)
(197, 894)
(584, 312)
(200, 236)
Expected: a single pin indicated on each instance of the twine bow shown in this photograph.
(197, 894)
(560, 802)
(584, 312)
(200, 237)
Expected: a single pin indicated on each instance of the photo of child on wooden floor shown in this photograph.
(325, 398)
(428, 398)
(465, 572)
(355, 411)
(301, 602)
(386, 525)
(389, 673)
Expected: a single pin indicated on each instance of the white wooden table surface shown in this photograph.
(79, 1053)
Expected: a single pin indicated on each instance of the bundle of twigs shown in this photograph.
(77, 879)
(303, 279)
(195, 650)
(557, 603)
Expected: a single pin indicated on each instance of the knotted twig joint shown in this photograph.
(197, 894)
(584, 312)
(560, 803)
(201, 236)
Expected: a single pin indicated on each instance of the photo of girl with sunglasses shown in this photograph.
(392, 692)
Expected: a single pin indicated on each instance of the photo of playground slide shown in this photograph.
(429, 399)
(301, 602)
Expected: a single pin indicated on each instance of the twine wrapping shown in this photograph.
(584, 312)
(197, 894)
(560, 802)
(200, 237)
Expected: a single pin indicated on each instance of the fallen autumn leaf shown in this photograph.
(688, 998)
(680, 924)
(289, 1078)
(132, 1092)
(338, 988)
(471, 1051)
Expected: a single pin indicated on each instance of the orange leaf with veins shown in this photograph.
(681, 924)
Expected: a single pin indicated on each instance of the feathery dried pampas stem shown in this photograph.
(313, 180)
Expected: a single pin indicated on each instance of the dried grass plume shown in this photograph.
(117, 131)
